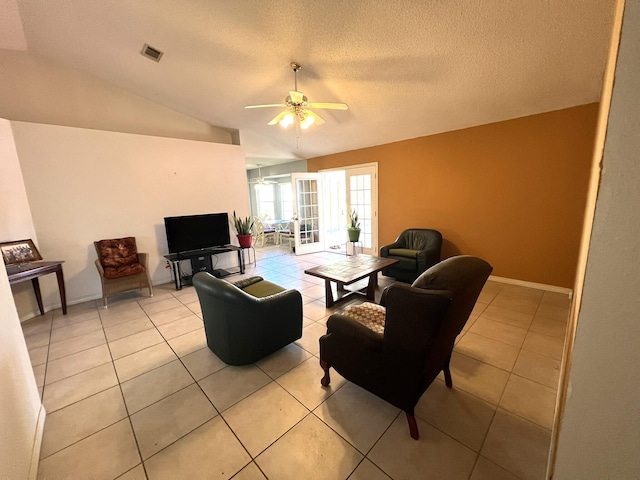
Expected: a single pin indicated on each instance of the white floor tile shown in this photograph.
(276, 410)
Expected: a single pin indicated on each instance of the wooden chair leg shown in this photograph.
(413, 426)
(447, 377)
(326, 379)
(447, 373)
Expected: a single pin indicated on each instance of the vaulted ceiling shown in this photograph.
(406, 68)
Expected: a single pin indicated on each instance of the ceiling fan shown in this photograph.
(297, 108)
(260, 180)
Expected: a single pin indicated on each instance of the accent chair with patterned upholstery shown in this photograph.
(416, 249)
(121, 267)
(395, 350)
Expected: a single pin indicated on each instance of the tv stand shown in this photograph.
(201, 262)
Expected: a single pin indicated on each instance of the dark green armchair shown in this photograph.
(416, 250)
(248, 320)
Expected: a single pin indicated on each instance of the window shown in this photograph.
(265, 201)
(286, 201)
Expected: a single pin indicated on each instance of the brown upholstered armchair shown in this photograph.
(416, 249)
(397, 349)
(121, 267)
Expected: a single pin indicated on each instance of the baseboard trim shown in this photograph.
(37, 444)
(539, 286)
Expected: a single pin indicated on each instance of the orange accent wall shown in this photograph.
(511, 192)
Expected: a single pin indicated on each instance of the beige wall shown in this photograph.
(599, 432)
(35, 89)
(20, 413)
(511, 192)
(15, 215)
(85, 185)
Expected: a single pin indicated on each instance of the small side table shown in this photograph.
(353, 247)
(249, 249)
(32, 271)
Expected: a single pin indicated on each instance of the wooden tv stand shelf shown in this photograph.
(176, 258)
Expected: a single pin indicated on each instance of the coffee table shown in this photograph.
(348, 271)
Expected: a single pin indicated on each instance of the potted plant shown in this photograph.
(243, 228)
(353, 227)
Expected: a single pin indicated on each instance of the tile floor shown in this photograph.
(133, 392)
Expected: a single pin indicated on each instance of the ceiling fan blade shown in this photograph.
(281, 105)
(278, 117)
(329, 105)
(296, 97)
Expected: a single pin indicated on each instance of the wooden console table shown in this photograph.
(32, 271)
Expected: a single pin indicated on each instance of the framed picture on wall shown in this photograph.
(21, 251)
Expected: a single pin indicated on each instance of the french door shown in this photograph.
(322, 202)
(309, 236)
(362, 196)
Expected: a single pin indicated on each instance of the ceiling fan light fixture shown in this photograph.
(307, 122)
(287, 120)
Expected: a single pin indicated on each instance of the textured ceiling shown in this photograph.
(406, 68)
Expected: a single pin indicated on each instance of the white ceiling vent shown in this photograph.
(152, 53)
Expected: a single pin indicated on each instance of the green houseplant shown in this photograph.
(243, 228)
(353, 227)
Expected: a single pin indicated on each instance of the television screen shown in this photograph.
(196, 232)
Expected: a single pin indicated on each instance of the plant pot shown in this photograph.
(354, 234)
(245, 240)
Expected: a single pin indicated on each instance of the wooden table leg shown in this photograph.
(371, 286)
(328, 294)
(63, 293)
(36, 289)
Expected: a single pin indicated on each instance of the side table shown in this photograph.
(32, 271)
(353, 247)
(249, 249)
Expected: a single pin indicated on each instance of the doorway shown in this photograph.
(322, 202)
(344, 190)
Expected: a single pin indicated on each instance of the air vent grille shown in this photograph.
(152, 53)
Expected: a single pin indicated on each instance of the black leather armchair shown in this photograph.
(249, 320)
(416, 249)
(415, 340)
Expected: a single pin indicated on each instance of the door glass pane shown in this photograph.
(308, 211)
(360, 201)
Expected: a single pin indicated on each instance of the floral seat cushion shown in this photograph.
(368, 314)
(119, 257)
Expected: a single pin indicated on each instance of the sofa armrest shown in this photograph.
(384, 250)
(143, 259)
(100, 268)
(427, 258)
(224, 300)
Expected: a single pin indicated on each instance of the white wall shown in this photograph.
(15, 215)
(36, 89)
(85, 185)
(600, 431)
(21, 412)
(20, 406)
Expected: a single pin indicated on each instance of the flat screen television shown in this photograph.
(197, 232)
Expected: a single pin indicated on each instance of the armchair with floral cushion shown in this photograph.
(121, 267)
(395, 350)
